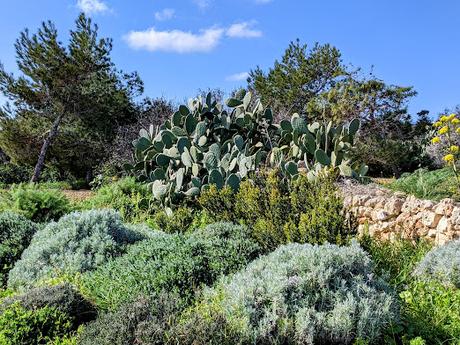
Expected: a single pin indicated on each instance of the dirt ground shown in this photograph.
(78, 195)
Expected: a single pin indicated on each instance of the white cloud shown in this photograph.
(243, 30)
(238, 76)
(202, 4)
(164, 14)
(92, 6)
(175, 40)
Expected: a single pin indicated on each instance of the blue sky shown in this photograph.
(180, 46)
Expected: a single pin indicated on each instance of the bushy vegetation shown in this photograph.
(130, 198)
(29, 327)
(144, 321)
(442, 264)
(424, 184)
(175, 263)
(300, 294)
(78, 242)
(279, 211)
(16, 232)
(34, 201)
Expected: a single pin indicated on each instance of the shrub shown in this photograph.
(16, 231)
(11, 173)
(62, 297)
(146, 321)
(442, 264)
(180, 220)
(299, 294)
(424, 184)
(130, 198)
(395, 260)
(431, 310)
(21, 326)
(35, 202)
(279, 211)
(175, 263)
(78, 242)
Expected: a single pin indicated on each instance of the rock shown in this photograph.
(380, 215)
(443, 225)
(430, 219)
(393, 206)
(444, 207)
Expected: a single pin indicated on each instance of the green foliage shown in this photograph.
(35, 202)
(318, 146)
(12, 173)
(441, 264)
(175, 263)
(431, 311)
(130, 198)
(299, 294)
(433, 185)
(16, 232)
(40, 326)
(395, 260)
(78, 242)
(180, 220)
(203, 144)
(145, 321)
(62, 297)
(278, 211)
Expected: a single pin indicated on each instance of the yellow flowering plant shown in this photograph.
(446, 126)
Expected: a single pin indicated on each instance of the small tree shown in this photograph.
(75, 86)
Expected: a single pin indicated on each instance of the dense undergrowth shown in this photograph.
(267, 264)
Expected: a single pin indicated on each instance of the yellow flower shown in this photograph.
(449, 158)
(435, 140)
(437, 124)
(444, 118)
(454, 149)
(455, 121)
(443, 130)
(451, 117)
(458, 130)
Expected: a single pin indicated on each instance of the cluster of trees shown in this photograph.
(73, 110)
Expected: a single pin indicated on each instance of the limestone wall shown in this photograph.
(390, 215)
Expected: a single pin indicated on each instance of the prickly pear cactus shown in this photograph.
(316, 147)
(202, 144)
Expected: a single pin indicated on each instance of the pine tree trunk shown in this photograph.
(46, 144)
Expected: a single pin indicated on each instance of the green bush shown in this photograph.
(431, 310)
(145, 321)
(182, 219)
(395, 260)
(424, 184)
(280, 212)
(16, 232)
(11, 173)
(442, 264)
(175, 263)
(130, 198)
(40, 326)
(299, 294)
(78, 242)
(62, 297)
(35, 202)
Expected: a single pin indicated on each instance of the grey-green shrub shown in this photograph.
(35, 202)
(63, 297)
(174, 263)
(78, 242)
(144, 321)
(299, 294)
(16, 232)
(442, 264)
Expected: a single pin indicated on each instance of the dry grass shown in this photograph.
(78, 195)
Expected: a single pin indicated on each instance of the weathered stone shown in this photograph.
(444, 225)
(393, 206)
(380, 215)
(430, 219)
(444, 207)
